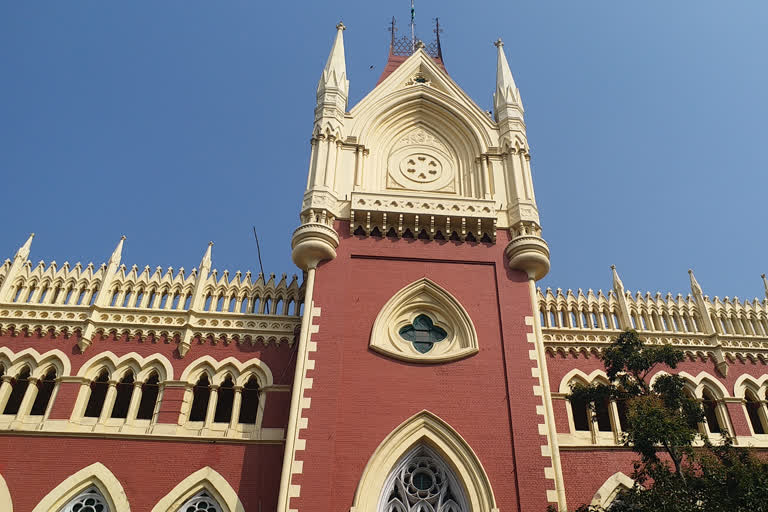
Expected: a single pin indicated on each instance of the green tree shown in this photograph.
(662, 421)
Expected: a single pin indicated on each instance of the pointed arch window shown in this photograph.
(249, 407)
(710, 412)
(123, 397)
(422, 482)
(202, 502)
(18, 390)
(99, 389)
(150, 390)
(89, 501)
(201, 395)
(45, 389)
(224, 401)
(753, 411)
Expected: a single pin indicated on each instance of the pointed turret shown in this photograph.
(765, 284)
(506, 100)
(23, 252)
(117, 254)
(621, 297)
(21, 258)
(105, 295)
(205, 263)
(335, 72)
(695, 287)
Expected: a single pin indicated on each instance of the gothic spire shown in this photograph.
(205, 263)
(23, 252)
(695, 287)
(114, 260)
(765, 284)
(506, 99)
(335, 72)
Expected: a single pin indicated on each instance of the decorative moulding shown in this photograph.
(424, 297)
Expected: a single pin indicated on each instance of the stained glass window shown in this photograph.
(423, 333)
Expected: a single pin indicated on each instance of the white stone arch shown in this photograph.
(205, 479)
(96, 475)
(36, 361)
(140, 365)
(755, 384)
(425, 428)
(706, 380)
(5, 496)
(207, 363)
(576, 374)
(611, 488)
(424, 297)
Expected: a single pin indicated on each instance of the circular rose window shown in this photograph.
(421, 167)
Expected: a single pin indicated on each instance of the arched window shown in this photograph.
(150, 390)
(201, 394)
(224, 401)
(202, 502)
(45, 389)
(99, 389)
(621, 409)
(123, 396)
(90, 500)
(580, 415)
(422, 482)
(710, 412)
(249, 406)
(753, 411)
(603, 416)
(18, 390)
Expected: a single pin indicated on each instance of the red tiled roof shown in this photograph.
(394, 61)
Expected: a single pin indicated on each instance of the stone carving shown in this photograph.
(420, 161)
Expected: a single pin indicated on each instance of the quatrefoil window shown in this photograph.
(423, 333)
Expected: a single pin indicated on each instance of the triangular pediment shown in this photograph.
(420, 71)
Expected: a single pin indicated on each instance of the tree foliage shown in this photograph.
(673, 474)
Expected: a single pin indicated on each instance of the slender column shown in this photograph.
(236, 402)
(547, 398)
(5, 391)
(28, 400)
(213, 399)
(133, 408)
(296, 395)
(109, 402)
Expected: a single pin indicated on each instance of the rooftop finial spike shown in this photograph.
(335, 71)
(695, 287)
(765, 284)
(23, 251)
(117, 254)
(618, 286)
(206, 261)
(506, 99)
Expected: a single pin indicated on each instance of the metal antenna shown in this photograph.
(258, 251)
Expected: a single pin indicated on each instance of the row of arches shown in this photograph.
(609, 419)
(129, 390)
(96, 489)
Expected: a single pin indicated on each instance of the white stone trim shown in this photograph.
(205, 479)
(96, 475)
(5, 496)
(611, 488)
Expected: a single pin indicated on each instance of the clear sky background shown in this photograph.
(179, 122)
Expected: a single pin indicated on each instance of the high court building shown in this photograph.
(416, 367)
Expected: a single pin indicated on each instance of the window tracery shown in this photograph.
(90, 500)
(202, 502)
(422, 482)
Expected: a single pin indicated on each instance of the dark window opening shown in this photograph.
(98, 395)
(603, 416)
(150, 390)
(45, 389)
(123, 397)
(621, 405)
(580, 417)
(710, 412)
(201, 393)
(18, 390)
(224, 403)
(753, 409)
(249, 406)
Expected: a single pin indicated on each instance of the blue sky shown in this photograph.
(179, 122)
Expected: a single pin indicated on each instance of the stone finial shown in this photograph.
(507, 96)
(117, 254)
(618, 286)
(340, 26)
(23, 252)
(695, 287)
(335, 71)
(765, 284)
(498, 43)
